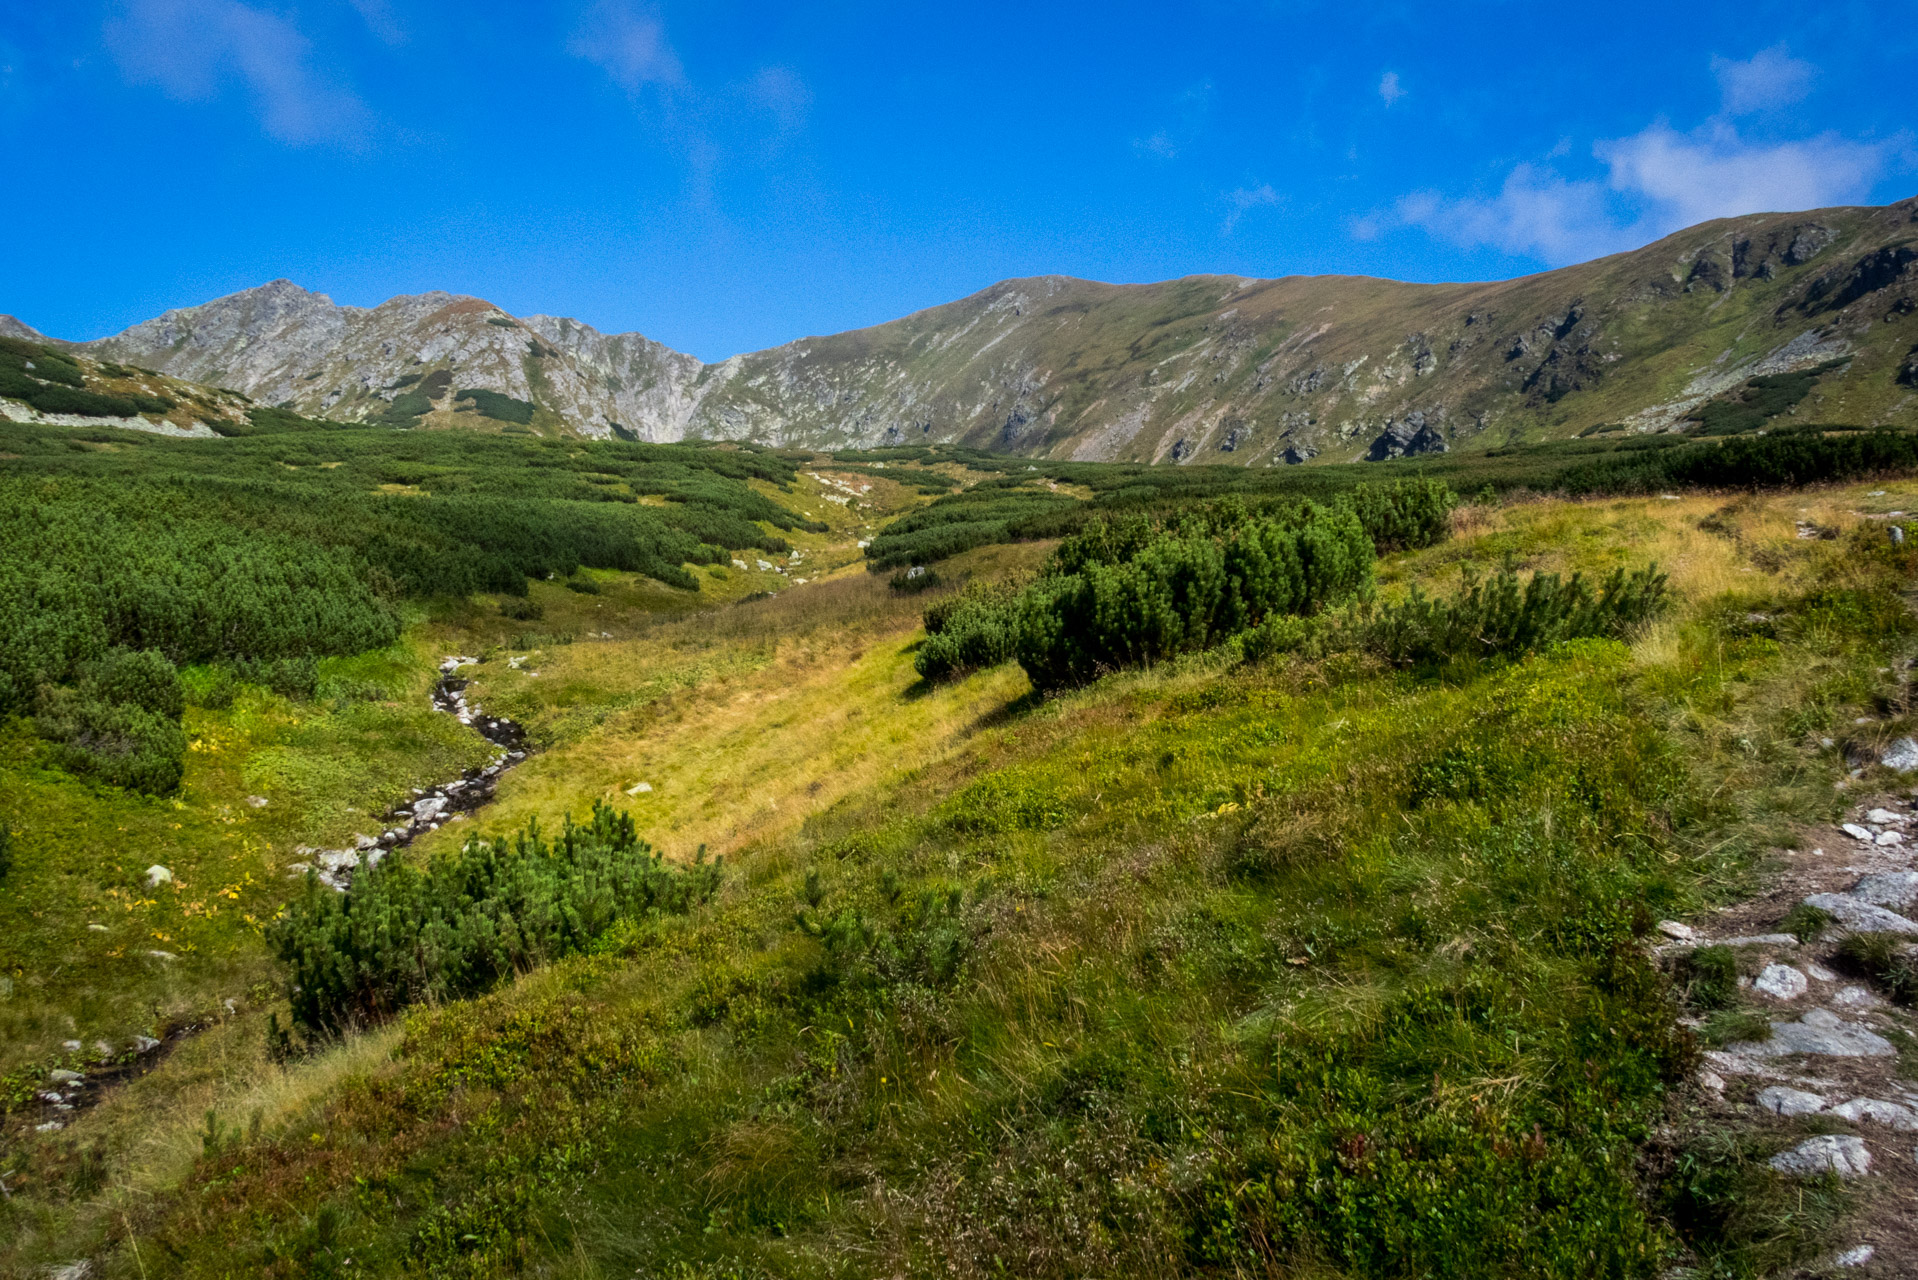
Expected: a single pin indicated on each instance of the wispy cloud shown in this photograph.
(191, 48)
(1189, 109)
(1389, 88)
(1244, 200)
(1656, 181)
(628, 42)
(381, 21)
(782, 94)
(1769, 78)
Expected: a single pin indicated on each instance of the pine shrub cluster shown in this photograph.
(409, 931)
(1500, 615)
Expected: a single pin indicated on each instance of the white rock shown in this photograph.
(1854, 1257)
(1886, 817)
(1861, 917)
(363, 841)
(1676, 931)
(1878, 1111)
(1855, 998)
(163, 955)
(1761, 940)
(428, 809)
(1856, 832)
(1781, 982)
(1890, 837)
(145, 1044)
(1820, 972)
(1783, 1101)
(639, 788)
(1711, 1080)
(71, 1046)
(1894, 889)
(258, 802)
(60, 1075)
(1838, 1153)
(102, 1050)
(1901, 756)
(158, 875)
(51, 1126)
(1819, 1031)
(81, 1270)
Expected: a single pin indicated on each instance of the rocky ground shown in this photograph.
(1829, 1073)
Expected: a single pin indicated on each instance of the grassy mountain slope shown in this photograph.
(1310, 964)
(1208, 368)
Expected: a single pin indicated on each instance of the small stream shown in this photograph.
(69, 1091)
(431, 807)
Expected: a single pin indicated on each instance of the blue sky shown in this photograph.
(728, 175)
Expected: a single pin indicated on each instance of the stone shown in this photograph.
(158, 875)
(1859, 916)
(363, 842)
(1890, 837)
(51, 1126)
(258, 802)
(145, 1044)
(1677, 932)
(1892, 889)
(163, 955)
(1711, 1081)
(429, 808)
(1781, 1100)
(1819, 1031)
(1863, 835)
(1761, 940)
(103, 1051)
(1838, 1153)
(81, 1270)
(1854, 1257)
(1855, 997)
(1877, 1111)
(1781, 982)
(1885, 817)
(71, 1046)
(639, 788)
(1820, 972)
(60, 1075)
(1901, 756)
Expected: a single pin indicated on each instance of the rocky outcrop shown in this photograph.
(1407, 437)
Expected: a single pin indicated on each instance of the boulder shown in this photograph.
(1885, 817)
(1877, 1111)
(1819, 1031)
(1781, 982)
(1860, 916)
(1901, 756)
(1863, 835)
(1781, 1100)
(1838, 1153)
(1893, 889)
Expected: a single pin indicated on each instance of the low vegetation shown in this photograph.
(1302, 927)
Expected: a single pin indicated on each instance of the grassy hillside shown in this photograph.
(1321, 957)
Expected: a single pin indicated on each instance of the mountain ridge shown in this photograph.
(1219, 368)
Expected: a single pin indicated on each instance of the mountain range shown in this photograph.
(1204, 368)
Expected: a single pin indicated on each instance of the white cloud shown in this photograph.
(190, 48)
(1244, 200)
(629, 43)
(1658, 180)
(1389, 88)
(1535, 214)
(1687, 178)
(1769, 78)
(783, 94)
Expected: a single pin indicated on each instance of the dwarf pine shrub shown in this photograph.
(410, 931)
(1500, 616)
(1169, 593)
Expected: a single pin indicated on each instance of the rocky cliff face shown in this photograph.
(1203, 369)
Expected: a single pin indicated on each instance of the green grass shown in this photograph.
(1306, 965)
